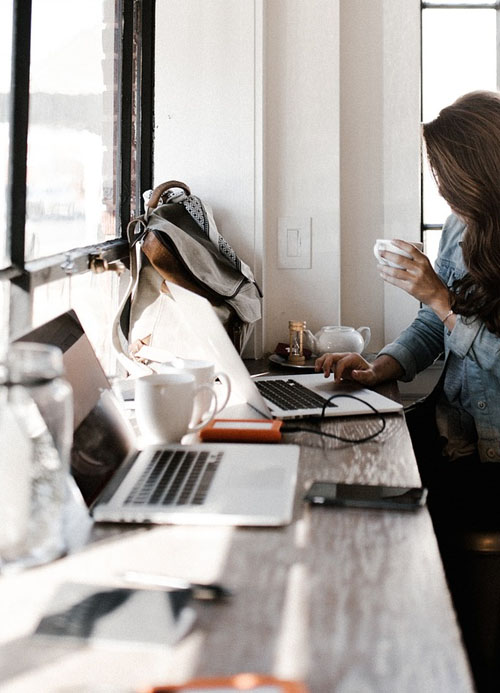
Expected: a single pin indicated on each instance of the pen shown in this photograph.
(203, 591)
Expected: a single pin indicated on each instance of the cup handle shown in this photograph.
(376, 252)
(227, 382)
(210, 414)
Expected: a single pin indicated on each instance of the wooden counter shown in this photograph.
(350, 601)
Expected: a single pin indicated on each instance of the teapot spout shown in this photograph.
(310, 341)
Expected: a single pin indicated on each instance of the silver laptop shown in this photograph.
(197, 333)
(312, 395)
(223, 484)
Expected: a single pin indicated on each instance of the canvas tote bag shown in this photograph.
(177, 240)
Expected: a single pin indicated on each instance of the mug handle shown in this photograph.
(227, 382)
(383, 246)
(376, 252)
(210, 414)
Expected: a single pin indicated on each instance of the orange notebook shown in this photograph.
(252, 683)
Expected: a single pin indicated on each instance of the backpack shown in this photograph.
(176, 240)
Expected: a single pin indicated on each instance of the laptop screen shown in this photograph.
(102, 436)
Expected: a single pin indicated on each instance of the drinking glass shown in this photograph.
(37, 409)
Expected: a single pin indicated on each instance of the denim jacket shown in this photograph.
(426, 338)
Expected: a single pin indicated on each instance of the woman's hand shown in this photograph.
(346, 366)
(418, 277)
(352, 366)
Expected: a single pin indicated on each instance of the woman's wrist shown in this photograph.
(386, 367)
(445, 312)
(441, 306)
(447, 317)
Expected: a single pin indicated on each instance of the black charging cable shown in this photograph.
(290, 428)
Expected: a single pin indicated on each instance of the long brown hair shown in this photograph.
(463, 149)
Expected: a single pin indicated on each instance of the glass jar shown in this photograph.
(41, 401)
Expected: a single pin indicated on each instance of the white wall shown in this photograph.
(208, 87)
(302, 160)
(380, 154)
(204, 109)
(361, 157)
(309, 108)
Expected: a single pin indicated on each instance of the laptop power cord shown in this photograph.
(289, 427)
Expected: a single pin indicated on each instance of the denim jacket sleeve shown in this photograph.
(426, 338)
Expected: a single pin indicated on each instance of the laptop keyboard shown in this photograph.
(175, 477)
(289, 394)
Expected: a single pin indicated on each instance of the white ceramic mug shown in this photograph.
(204, 374)
(386, 244)
(164, 406)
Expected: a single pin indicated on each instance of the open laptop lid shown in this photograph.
(102, 436)
(85, 376)
(195, 332)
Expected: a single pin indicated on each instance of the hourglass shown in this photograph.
(296, 339)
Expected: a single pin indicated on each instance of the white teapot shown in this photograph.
(334, 338)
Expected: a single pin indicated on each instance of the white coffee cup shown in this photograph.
(386, 244)
(204, 374)
(164, 406)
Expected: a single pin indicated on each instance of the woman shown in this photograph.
(461, 312)
(458, 446)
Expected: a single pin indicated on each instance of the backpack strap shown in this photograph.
(155, 196)
(119, 339)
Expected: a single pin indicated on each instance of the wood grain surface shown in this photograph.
(347, 600)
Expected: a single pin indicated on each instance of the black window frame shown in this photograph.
(134, 156)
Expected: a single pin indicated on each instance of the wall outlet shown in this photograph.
(294, 243)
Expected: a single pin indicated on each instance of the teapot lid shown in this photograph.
(344, 328)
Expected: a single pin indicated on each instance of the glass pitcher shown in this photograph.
(38, 403)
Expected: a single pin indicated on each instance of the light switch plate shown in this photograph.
(294, 243)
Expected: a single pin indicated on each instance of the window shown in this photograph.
(5, 73)
(76, 131)
(459, 54)
(71, 167)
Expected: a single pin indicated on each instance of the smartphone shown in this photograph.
(365, 496)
